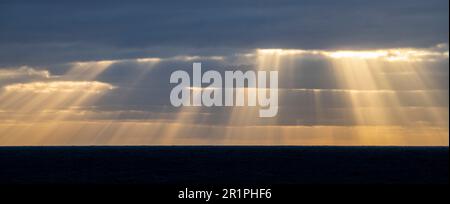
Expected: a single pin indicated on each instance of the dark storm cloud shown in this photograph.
(47, 32)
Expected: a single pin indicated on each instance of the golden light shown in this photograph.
(394, 54)
(60, 86)
(23, 71)
(148, 60)
(357, 54)
(50, 111)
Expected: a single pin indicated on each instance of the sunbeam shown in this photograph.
(372, 97)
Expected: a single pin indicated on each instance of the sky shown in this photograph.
(351, 72)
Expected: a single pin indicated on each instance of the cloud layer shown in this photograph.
(62, 31)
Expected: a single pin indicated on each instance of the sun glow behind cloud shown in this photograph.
(52, 110)
(22, 72)
(59, 87)
(438, 52)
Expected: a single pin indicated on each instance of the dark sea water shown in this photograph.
(222, 165)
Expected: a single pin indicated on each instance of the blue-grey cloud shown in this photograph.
(50, 31)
